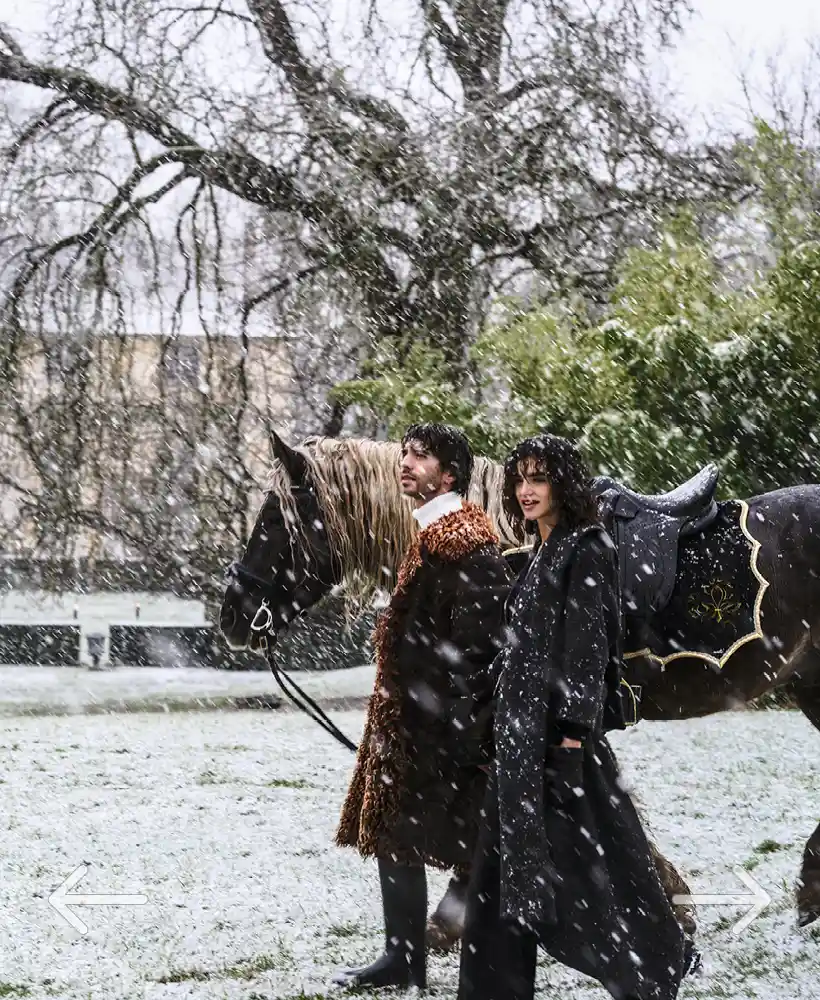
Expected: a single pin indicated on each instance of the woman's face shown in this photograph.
(533, 491)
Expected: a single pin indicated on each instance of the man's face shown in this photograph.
(421, 474)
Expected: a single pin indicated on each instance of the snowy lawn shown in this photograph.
(36, 690)
(225, 820)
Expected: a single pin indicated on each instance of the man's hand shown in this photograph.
(567, 742)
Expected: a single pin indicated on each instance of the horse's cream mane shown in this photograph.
(368, 520)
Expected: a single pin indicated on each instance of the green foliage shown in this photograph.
(557, 376)
(681, 370)
(416, 388)
(679, 281)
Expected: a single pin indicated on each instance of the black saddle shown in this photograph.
(647, 531)
(685, 501)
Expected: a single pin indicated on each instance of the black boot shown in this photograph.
(404, 962)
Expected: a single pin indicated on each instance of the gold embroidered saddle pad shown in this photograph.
(715, 604)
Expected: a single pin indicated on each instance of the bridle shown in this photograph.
(237, 571)
(262, 625)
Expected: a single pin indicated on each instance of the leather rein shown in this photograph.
(262, 625)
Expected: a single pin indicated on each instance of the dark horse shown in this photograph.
(334, 514)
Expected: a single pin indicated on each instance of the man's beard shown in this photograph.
(423, 489)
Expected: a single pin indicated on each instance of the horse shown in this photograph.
(333, 514)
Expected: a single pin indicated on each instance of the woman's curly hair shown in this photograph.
(560, 461)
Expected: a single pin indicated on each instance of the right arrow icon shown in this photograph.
(757, 900)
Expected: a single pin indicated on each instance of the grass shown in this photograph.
(186, 976)
(244, 969)
(211, 778)
(14, 990)
(735, 969)
(765, 847)
(343, 930)
(287, 783)
(755, 963)
(250, 968)
(129, 706)
(291, 996)
(769, 846)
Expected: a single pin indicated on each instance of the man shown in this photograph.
(418, 784)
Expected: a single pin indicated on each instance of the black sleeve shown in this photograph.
(472, 649)
(582, 668)
(477, 621)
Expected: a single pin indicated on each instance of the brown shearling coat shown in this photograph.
(418, 786)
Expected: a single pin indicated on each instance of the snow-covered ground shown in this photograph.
(225, 821)
(68, 690)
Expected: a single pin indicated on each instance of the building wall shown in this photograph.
(145, 403)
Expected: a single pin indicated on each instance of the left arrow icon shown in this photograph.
(62, 899)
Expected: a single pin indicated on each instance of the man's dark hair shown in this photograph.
(560, 461)
(449, 446)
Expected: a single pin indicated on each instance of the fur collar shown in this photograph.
(458, 533)
(450, 538)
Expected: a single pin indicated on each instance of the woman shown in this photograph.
(562, 859)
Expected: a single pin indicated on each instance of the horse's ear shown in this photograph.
(293, 461)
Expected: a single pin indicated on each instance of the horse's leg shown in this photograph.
(674, 885)
(807, 694)
(446, 923)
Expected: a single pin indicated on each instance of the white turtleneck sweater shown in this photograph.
(429, 513)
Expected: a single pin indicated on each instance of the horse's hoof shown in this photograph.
(692, 959)
(442, 938)
(808, 902)
(685, 916)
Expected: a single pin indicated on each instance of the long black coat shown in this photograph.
(580, 875)
(417, 788)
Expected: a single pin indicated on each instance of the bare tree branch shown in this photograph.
(260, 175)
(281, 47)
(7, 39)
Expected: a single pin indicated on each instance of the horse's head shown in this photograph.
(288, 564)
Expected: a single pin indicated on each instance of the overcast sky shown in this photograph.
(729, 36)
(724, 37)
